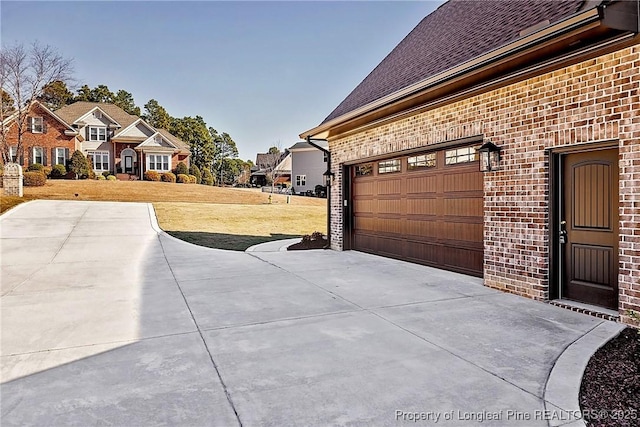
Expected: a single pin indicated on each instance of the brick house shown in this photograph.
(122, 143)
(48, 139)
(555, 86)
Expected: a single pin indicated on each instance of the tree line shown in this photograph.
(38, 72)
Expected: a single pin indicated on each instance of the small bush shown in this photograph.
(193, 170)
(151, 176)
(112, 178)
(207, 177)
(79, 165)
(34, 179)
(181, 168)
(58, 171)
(106, 173)
(192, 179)
(101, 178)
(35, 167)
(168, 177)
(182, 178)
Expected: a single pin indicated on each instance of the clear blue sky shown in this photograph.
(261, 71)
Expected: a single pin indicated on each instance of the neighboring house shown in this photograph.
(554, 85)
(121, 143)
(262, 169)
(48, 139)
(308, 164)
(282, 172)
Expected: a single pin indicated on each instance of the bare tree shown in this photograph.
(24, 72)
(270, 161)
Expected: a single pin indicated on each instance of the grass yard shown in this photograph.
(223, 218)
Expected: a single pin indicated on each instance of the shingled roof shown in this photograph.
(456, 32)
(71, 113)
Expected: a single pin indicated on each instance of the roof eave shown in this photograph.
(575, 21)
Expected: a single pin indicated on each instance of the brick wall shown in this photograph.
(594, 100)
(52, 138)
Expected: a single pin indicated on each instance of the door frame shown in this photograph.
(555, 206)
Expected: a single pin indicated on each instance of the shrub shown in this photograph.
(168, 177)
(58, 171)
(35, 167)
(192, 179)
(193, 170)
(101, 178)
(182, 178)
(181, 169)
(106, 173)
(34, 179)
(111, 178)
(207, 178)
(151, 176)
(47, 171)
(79, 165)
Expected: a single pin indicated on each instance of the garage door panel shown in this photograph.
(364, 188)
(389, 187)
(462, 232)
(422, 206)
(391, 206)
(364, 205)
(424, 253)
(463, 206)
(424, 229)
(424, 184)
(462, 259)
(463, 181)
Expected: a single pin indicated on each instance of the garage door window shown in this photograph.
(422, 161)
(364, 170)
(460, 155)
(389, 166)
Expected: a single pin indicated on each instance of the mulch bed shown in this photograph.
(309, 243)
(610, 390)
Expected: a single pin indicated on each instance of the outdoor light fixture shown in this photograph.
(489, 157)
(328, 178)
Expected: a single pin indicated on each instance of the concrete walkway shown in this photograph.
(106, 320)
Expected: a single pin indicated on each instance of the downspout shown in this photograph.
(328, 153)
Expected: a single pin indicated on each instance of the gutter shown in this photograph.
(328, 153)
(570, 23)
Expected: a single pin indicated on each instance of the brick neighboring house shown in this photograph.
(554, 85)
(122, 143)
(48, 139)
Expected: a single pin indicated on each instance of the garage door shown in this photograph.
(425, 208)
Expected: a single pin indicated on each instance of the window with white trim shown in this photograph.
(97, 133)
(37, 125)
(301, 180)
(100, 160)
(158, 162)
(38, 155)
(13, 153)
(61, 156)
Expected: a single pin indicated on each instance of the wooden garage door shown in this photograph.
(425, 208)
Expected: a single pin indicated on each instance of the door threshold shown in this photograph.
(592, 310)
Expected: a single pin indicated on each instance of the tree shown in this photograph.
(56, 95)
(156, 115)
(124, 100)
(193, 131)
(79, 164)
(207, 178)
(24, 73)
(84, 94)
(270, 161)
(101, 93)
(225, 150)
(193, 170)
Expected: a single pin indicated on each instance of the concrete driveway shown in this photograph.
(106, 320)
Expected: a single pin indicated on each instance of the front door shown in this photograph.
(589, 227)
(128, 164)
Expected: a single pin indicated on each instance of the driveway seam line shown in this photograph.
(457, 356)
(54, 255)
(204, 342)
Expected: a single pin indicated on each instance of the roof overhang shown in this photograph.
(540, 51)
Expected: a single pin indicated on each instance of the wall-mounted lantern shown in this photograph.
(489, 157)
(328, 178)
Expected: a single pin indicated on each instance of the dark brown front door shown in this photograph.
(590, 223)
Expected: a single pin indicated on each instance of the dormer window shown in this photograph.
(37, 125)
(97, 133)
